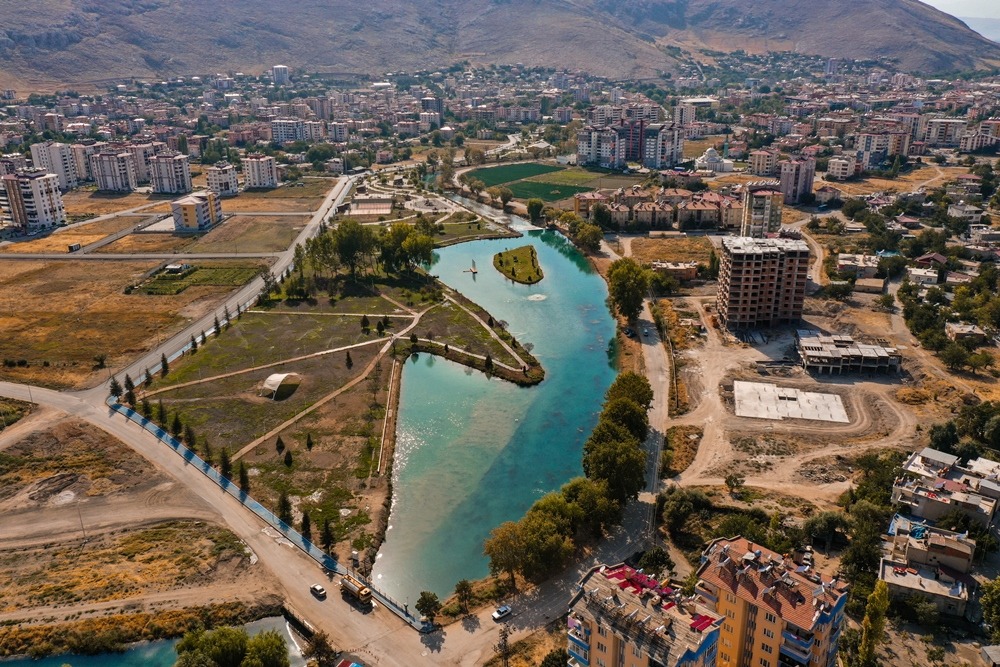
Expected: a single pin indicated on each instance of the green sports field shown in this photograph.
(512, 172)
(548, 192)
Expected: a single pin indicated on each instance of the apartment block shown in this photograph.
(762, 282)
(933, 485)
(841, 168)
(339, 132)
(222, 179)
(141, 155)
(56, 158)
(279, 74)
(31, 200)
(945, 131)
(797, 179)
(197, 211)
(762, 207)
(113, 171)
(775, 613)
(600, 146)
(287, 130)
(81, 158)
(622, 618)
(170, 173)
(663, 146)
(840, 353)
(11, 162)
(763, 162)
(260, 171)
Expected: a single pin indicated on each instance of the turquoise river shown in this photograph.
(473, 452)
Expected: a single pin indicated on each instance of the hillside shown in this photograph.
(49, 42)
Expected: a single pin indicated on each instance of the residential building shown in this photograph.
(197, 211)
(663, 146)
(763, 162)
(967, 212)
(841, 168)
(922, 276)
(113, 171)
(279, 74)
(600, 146)
(622, 618)
(170, 173)
(287, 130)
(11, 162)
(31, 200)
(222, 179)
(797, 179)
(840, 353)
(260, 171)
(934, 485)
(762, 207)
(56, 158)
(945, 131)
(775, 613)
(81, 158)
(678, 270)
(861, 266)
(338, 132)
(141, 155)
(961, 332)
(762, 282)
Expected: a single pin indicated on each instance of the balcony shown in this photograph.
(578, 657)
(803, 643)
(578, 638)
(799, 656)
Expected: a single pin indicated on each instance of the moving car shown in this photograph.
(502, 612)
(318, 591)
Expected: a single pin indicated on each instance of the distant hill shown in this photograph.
(49, 42)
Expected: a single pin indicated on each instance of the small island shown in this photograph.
(519, 264)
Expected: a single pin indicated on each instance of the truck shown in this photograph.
(356, 590)
(73, 247)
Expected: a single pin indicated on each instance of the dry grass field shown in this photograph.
(148, 242)
(88, 202)
(59, 240)
(672, 249)
(57, 316)
(928, 175)
(251, 234)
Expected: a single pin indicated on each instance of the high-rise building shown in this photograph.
(762, 282)
(170, 173)
(81, 158)
(623, 618)
(222, 179)
(141, 155)
(31, 200)
(279, 73)
(113, 171)
(260, 171)
(775, 613)
(763, 162)
(762, 206)
(56, 158)
(197, 211)
(684, 114)
(286, 130)
(663, 146)
(797, 179)
(11, 162)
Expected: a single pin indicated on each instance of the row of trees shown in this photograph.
(614, 462)
(353, 245)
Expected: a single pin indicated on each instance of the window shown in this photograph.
(601, 648)
(770, 618)
(636, 651)
(764, 662)
(602, 631)
(767, 648)
(769, 633)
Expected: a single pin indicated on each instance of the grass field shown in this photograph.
(60, 239)
(569, 176)
(89, 202)
(310, 188)
(148, 242)
(511, 172)
(548, 192)
(672, 249)
(218, 276)
(696, 147)
(251, 234)
(519, 265)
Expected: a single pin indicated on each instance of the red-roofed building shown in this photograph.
(775, 612)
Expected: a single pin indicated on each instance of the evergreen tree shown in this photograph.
(161, 413)
(244, 478)
(147, 409)
(148, 381)
(129, 385)
(326, 538)
(306, 531)
(225, 464)
(288, 458)
(116, 388)
(164, 366)
(348, 361)
(176, 426)
(194, 344)
(279, 444)
(285, 508)
(309, 441)
(189, 437)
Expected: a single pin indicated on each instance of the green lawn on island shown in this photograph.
(491, 176)
(519, 264)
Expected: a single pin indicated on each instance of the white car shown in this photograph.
(318, 591)
(502, 612)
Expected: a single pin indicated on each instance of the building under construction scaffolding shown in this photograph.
(839, 353)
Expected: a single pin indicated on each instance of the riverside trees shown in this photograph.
(544, 540)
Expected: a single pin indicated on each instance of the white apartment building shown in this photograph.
(339, 132)
(600, 146)
(945, 131)
(314, 130)
(113, 171)
(141, 155)
(260, 171)
(279, 73)
(31, 200)
(841, 168)
(763, 162)
(287, 130)
(663, 146)
(222, 179)
(56, 158)
(170, 174)
(11, 162)
(81, 158)
(797, 179)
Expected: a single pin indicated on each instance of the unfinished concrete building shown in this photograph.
(836, 354)
(762, 282)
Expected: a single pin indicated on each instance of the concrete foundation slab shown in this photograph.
(762, 400)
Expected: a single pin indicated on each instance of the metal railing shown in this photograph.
(327, 562)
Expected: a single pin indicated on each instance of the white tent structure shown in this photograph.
(273, 383)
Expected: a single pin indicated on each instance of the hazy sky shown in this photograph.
(977, 8)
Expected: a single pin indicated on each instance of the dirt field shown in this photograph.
(148, 242)
(672, 249)
(59, 240)
(89, 202)
(696, 147)
(251, 234)
(58, 316)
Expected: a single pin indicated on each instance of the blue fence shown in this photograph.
(322, 558)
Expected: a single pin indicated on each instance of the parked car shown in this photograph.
(318, 591)
(502, 612)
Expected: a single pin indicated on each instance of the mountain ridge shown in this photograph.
(96, 42)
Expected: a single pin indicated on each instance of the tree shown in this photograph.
(288, 458)
(365, 324)
(535, 207)
(734, 482)
(164, 366)
(176, 427)
(657, 561)
(504, 548)
(148, 381)
(621, 464)
(506, 195)
(627, 413)
(873, 624)
(428, 605)
(224, 647)
(309, 442)
(955, 355)
(244, 476)
(348, 361)
(326, 537)
(190, 439)
(351, 242)
(225, 464)
(599, 511)
(463, 593)
(279, 445)
(419, 248)
(633, 386)
(285, 508)
(116, 388)
(990, 602)
(627, 284)
(318, 648)
(557, 657)
(547, 548)
(589, 237)
(825, 526)
(194, 344)
(887, 301)
(306, 530)
(266, 649)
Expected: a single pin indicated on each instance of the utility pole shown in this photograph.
(502, 647)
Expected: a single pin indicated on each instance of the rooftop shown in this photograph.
(748, 245)
(922, 579)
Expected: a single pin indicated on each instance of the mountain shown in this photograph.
(988, 28)
(44, 43)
